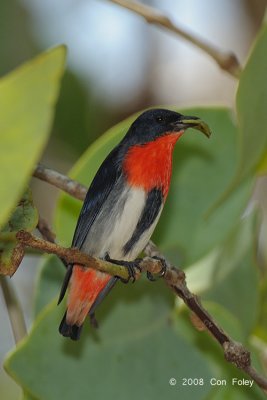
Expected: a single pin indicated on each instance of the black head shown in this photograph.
(154, 123)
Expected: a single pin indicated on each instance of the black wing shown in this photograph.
(102, 184)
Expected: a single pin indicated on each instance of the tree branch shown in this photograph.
(234, 352)
(70, 186)
(45, 230)
(70, 255)
(226, 60)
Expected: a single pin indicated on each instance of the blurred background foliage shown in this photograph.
(117, 65)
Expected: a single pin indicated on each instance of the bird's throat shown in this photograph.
(150, 165)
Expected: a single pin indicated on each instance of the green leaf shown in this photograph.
(231, 391)
(224, 258)
(262, 167)
(202, 339)
(261, 328)
(201, 170)
(27, 100)
(9, 389)
(223, 276)
(251, 104)
(133, 354)
(234, 294)
(24, 217)
(28, 396)
(49, 281)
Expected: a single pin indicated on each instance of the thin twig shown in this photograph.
(14, 310)
(72, 187)
(45, 230)
(70, 255)
(226, 60)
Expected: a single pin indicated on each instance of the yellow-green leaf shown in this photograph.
(251, 102)
(262, 167)
(27, 100)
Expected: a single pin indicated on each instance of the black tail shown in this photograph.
(74, 331)
(65, 283)
(71, 331)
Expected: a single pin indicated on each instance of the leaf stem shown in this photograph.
(14, 310)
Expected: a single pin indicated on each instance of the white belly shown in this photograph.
(114, 226)
(124, 226)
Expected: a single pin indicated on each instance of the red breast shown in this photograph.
(150, 165)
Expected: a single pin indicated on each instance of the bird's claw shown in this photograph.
(131, 266)
(161, 273)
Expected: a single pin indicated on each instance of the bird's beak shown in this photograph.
(192, 122)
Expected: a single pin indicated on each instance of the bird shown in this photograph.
(122, 208)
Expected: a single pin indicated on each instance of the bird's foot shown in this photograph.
(131, 267)
(162, 272)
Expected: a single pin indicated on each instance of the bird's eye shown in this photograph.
(159, 119)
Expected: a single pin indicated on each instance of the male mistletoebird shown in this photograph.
(122, 208)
